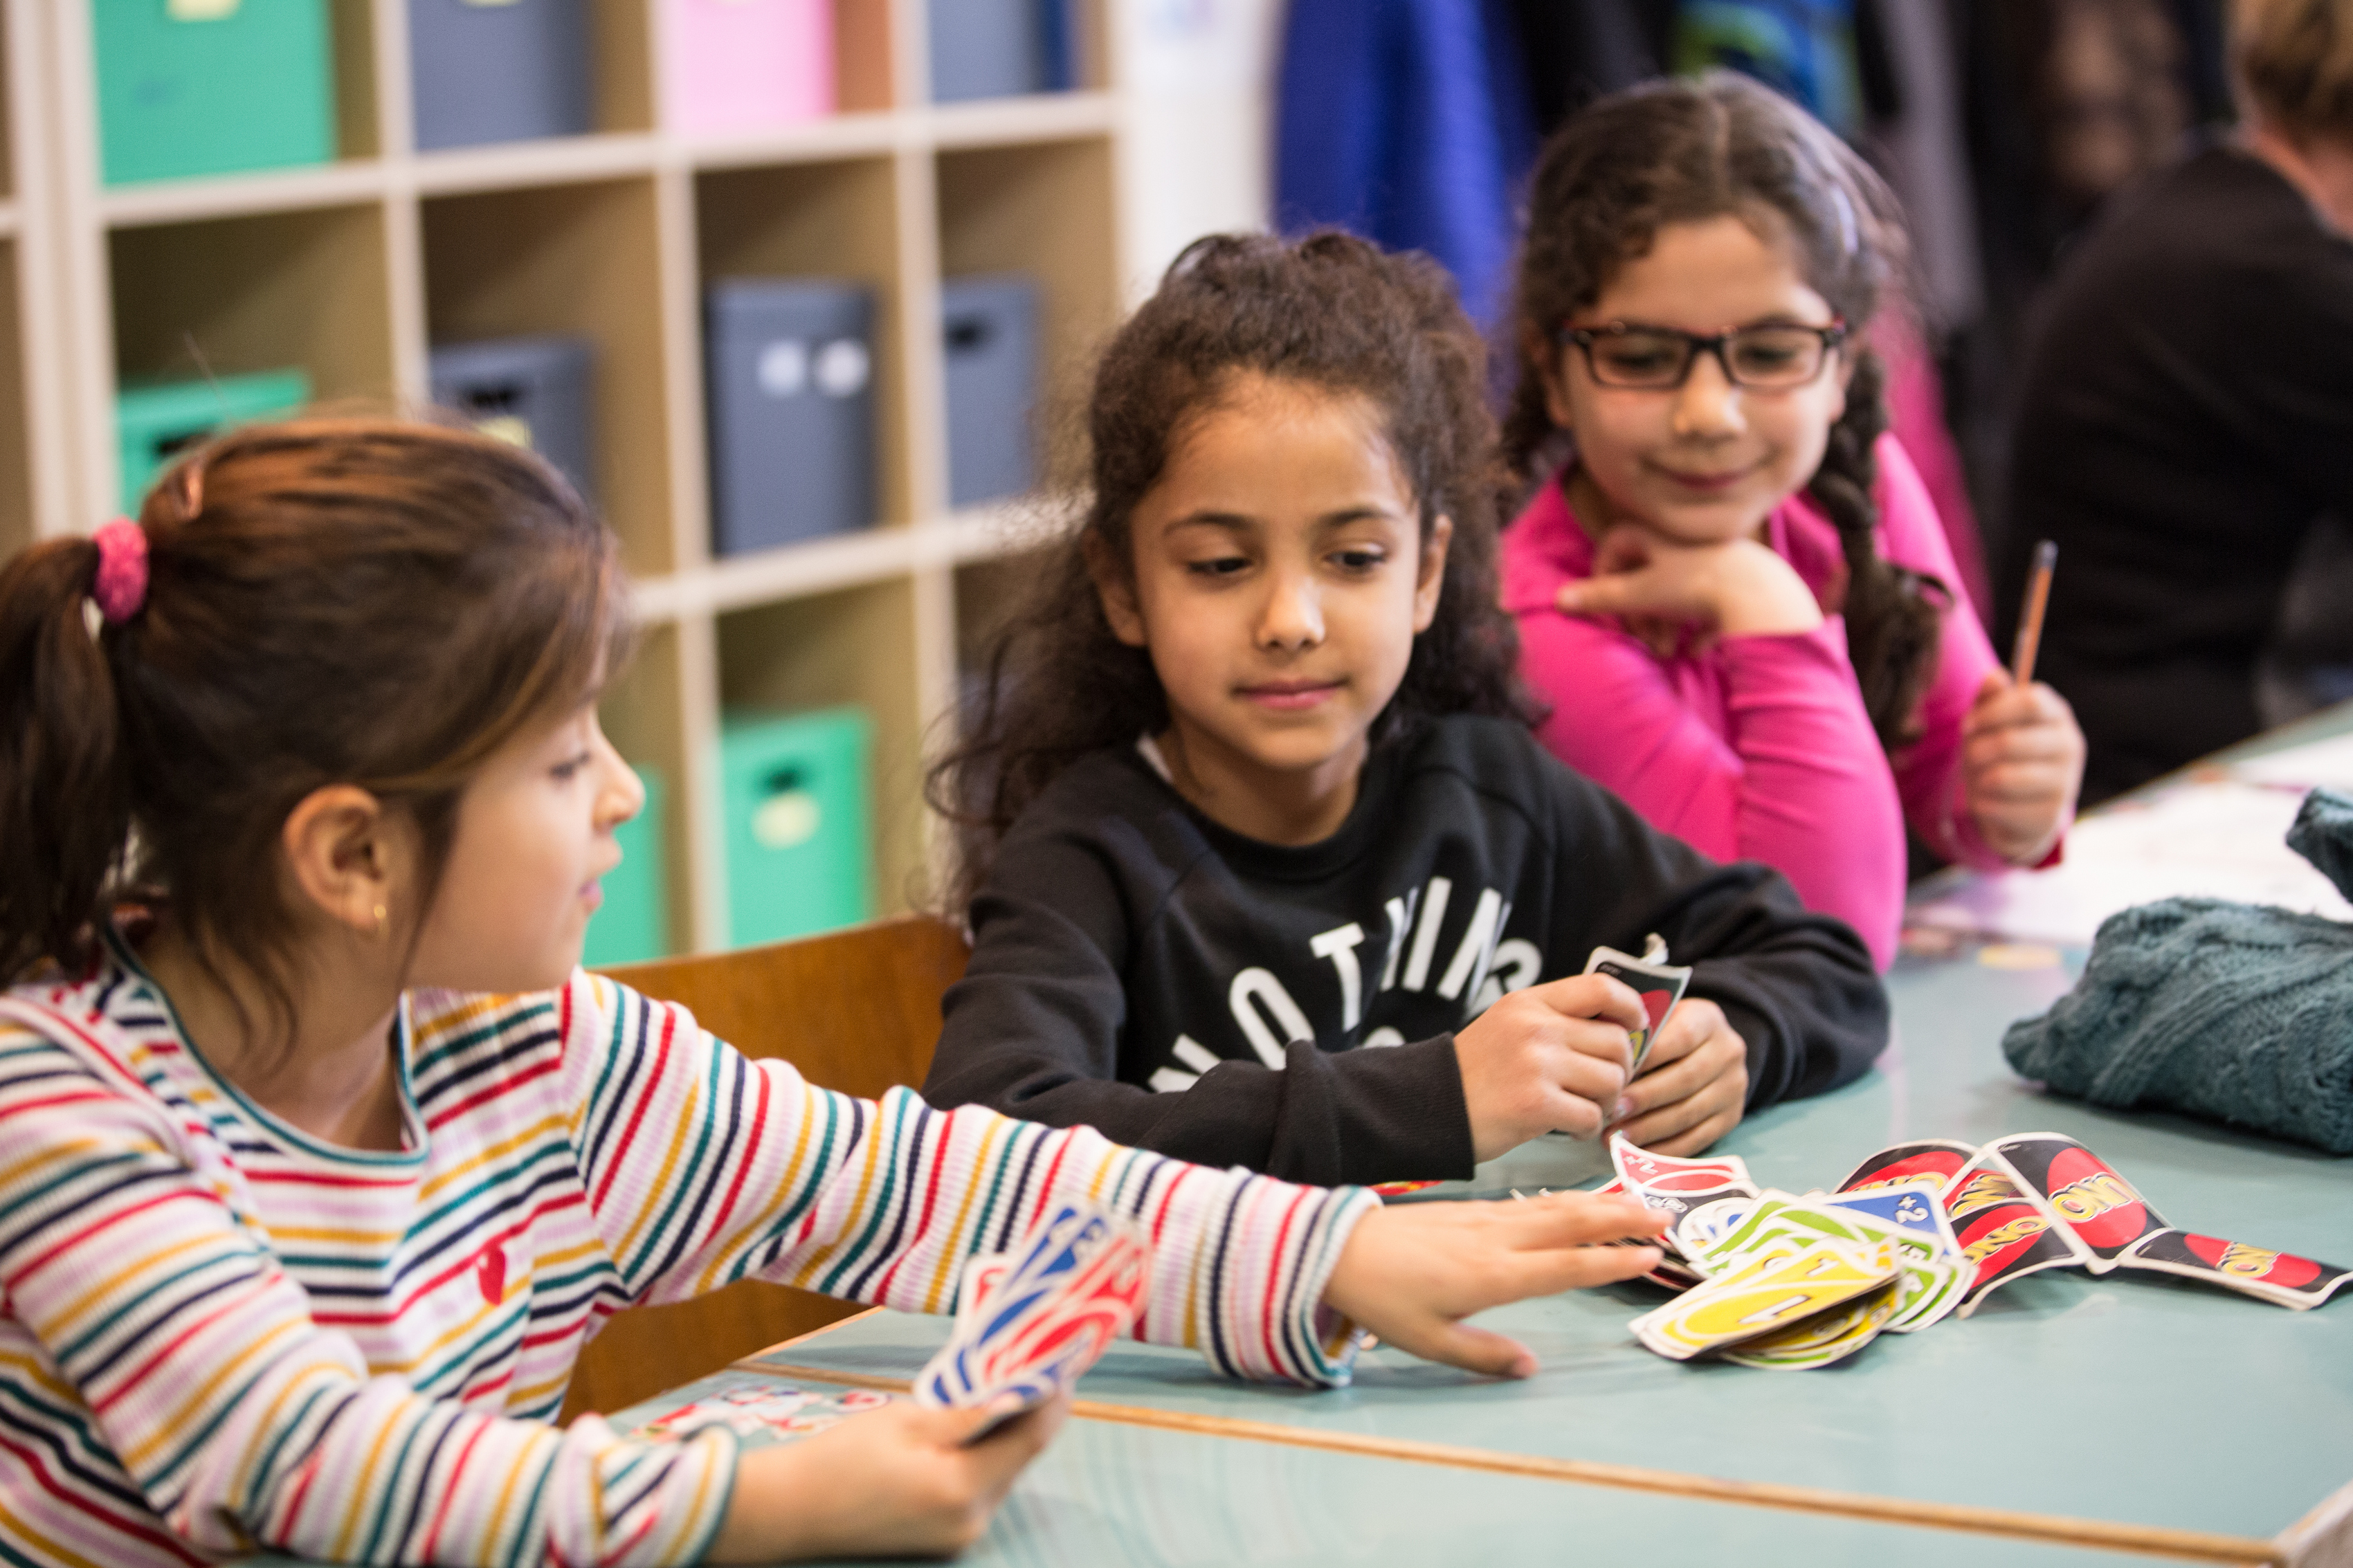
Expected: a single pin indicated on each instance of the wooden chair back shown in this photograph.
(855, 1010)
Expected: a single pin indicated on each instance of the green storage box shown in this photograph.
(800, 852)
(633, 924)
(154, 421)
(212, 87)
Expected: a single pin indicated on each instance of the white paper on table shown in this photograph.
(2319, 763)
(2220, 838)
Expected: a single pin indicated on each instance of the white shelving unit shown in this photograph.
(351, 270)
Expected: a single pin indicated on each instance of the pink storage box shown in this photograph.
(742, 64)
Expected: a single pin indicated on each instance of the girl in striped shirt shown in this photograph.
(317, 1171)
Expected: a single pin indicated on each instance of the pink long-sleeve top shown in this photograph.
(1757, 748)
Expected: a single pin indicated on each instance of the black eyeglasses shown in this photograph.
(1768, 358)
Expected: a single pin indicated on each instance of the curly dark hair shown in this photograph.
(1684, 151)
(1330, 310)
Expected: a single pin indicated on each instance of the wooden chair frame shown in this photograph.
(855, 1010)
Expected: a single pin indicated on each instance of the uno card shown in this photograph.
(1676, 1206)
(1825, 1338)
(1908, 1207)
(1031, 1322)
(1699, 1229)
(2277, 1277)
(1658, 984)
(2100, 1207)
(1929, 1159)
(1936, 1271)
(764, 1414)
(1638, 1167)
(1771, 1293)
(2005, 1230)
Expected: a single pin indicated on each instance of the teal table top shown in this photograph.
(1107, 1492)
(2125, 1399)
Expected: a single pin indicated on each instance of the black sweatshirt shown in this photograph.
(1137, 967)
(2186, 417)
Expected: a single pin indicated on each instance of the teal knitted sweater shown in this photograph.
(2235, 1012)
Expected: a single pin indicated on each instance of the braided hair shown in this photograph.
(1685, 152)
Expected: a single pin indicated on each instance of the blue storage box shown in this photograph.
(988, 326)
(789, 365)
(537, 392)
(498, 70)
(1001, 49)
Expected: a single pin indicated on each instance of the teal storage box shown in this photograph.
(154, 422)
(633, 924)
(212, 87)
(800, 853)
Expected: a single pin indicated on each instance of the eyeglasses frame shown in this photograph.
(1833, 337)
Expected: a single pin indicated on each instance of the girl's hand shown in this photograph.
(2021, 765)
(1664, 590)
(894, 1482)
(1695, 1083)
(1409, 1274)
(1551, 1057)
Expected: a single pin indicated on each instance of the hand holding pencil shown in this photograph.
(2022, 753)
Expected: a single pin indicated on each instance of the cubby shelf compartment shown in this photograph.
(830, 220)
(303, 287)
(854, 647)
(583, 260)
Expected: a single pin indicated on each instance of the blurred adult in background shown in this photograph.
(2185, 425)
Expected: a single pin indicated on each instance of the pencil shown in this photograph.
(2030, 619)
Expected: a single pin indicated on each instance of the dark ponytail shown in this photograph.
(1685, 152)
(1894, 617)
(65, 786)
(369, 602)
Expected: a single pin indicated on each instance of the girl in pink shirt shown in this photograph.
(1732, 587)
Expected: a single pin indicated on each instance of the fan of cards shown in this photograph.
(1029, 1322)
(1916, 1232)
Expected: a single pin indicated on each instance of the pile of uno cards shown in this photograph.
(1917, 1232)
(1029, 1322)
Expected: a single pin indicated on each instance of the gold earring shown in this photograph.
(383, 920)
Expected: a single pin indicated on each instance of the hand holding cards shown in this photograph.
(1029, 1322)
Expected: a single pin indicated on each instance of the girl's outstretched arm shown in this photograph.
(705, 1167)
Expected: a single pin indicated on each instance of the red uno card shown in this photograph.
(1639, 1167)
(2005, 1231)
(1936, 1160)
(2277, 1277)
(2105, 1212)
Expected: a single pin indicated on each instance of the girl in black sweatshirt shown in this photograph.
(1263, 867)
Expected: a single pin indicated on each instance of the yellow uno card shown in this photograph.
(1766, 1295)
(1825, 1337)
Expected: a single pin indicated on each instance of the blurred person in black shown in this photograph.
(2185, 427)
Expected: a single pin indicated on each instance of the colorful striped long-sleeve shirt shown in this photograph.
(217, 1332)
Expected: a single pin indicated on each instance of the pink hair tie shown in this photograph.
(120, 588)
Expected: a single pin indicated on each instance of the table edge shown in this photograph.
(2057, 1529)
